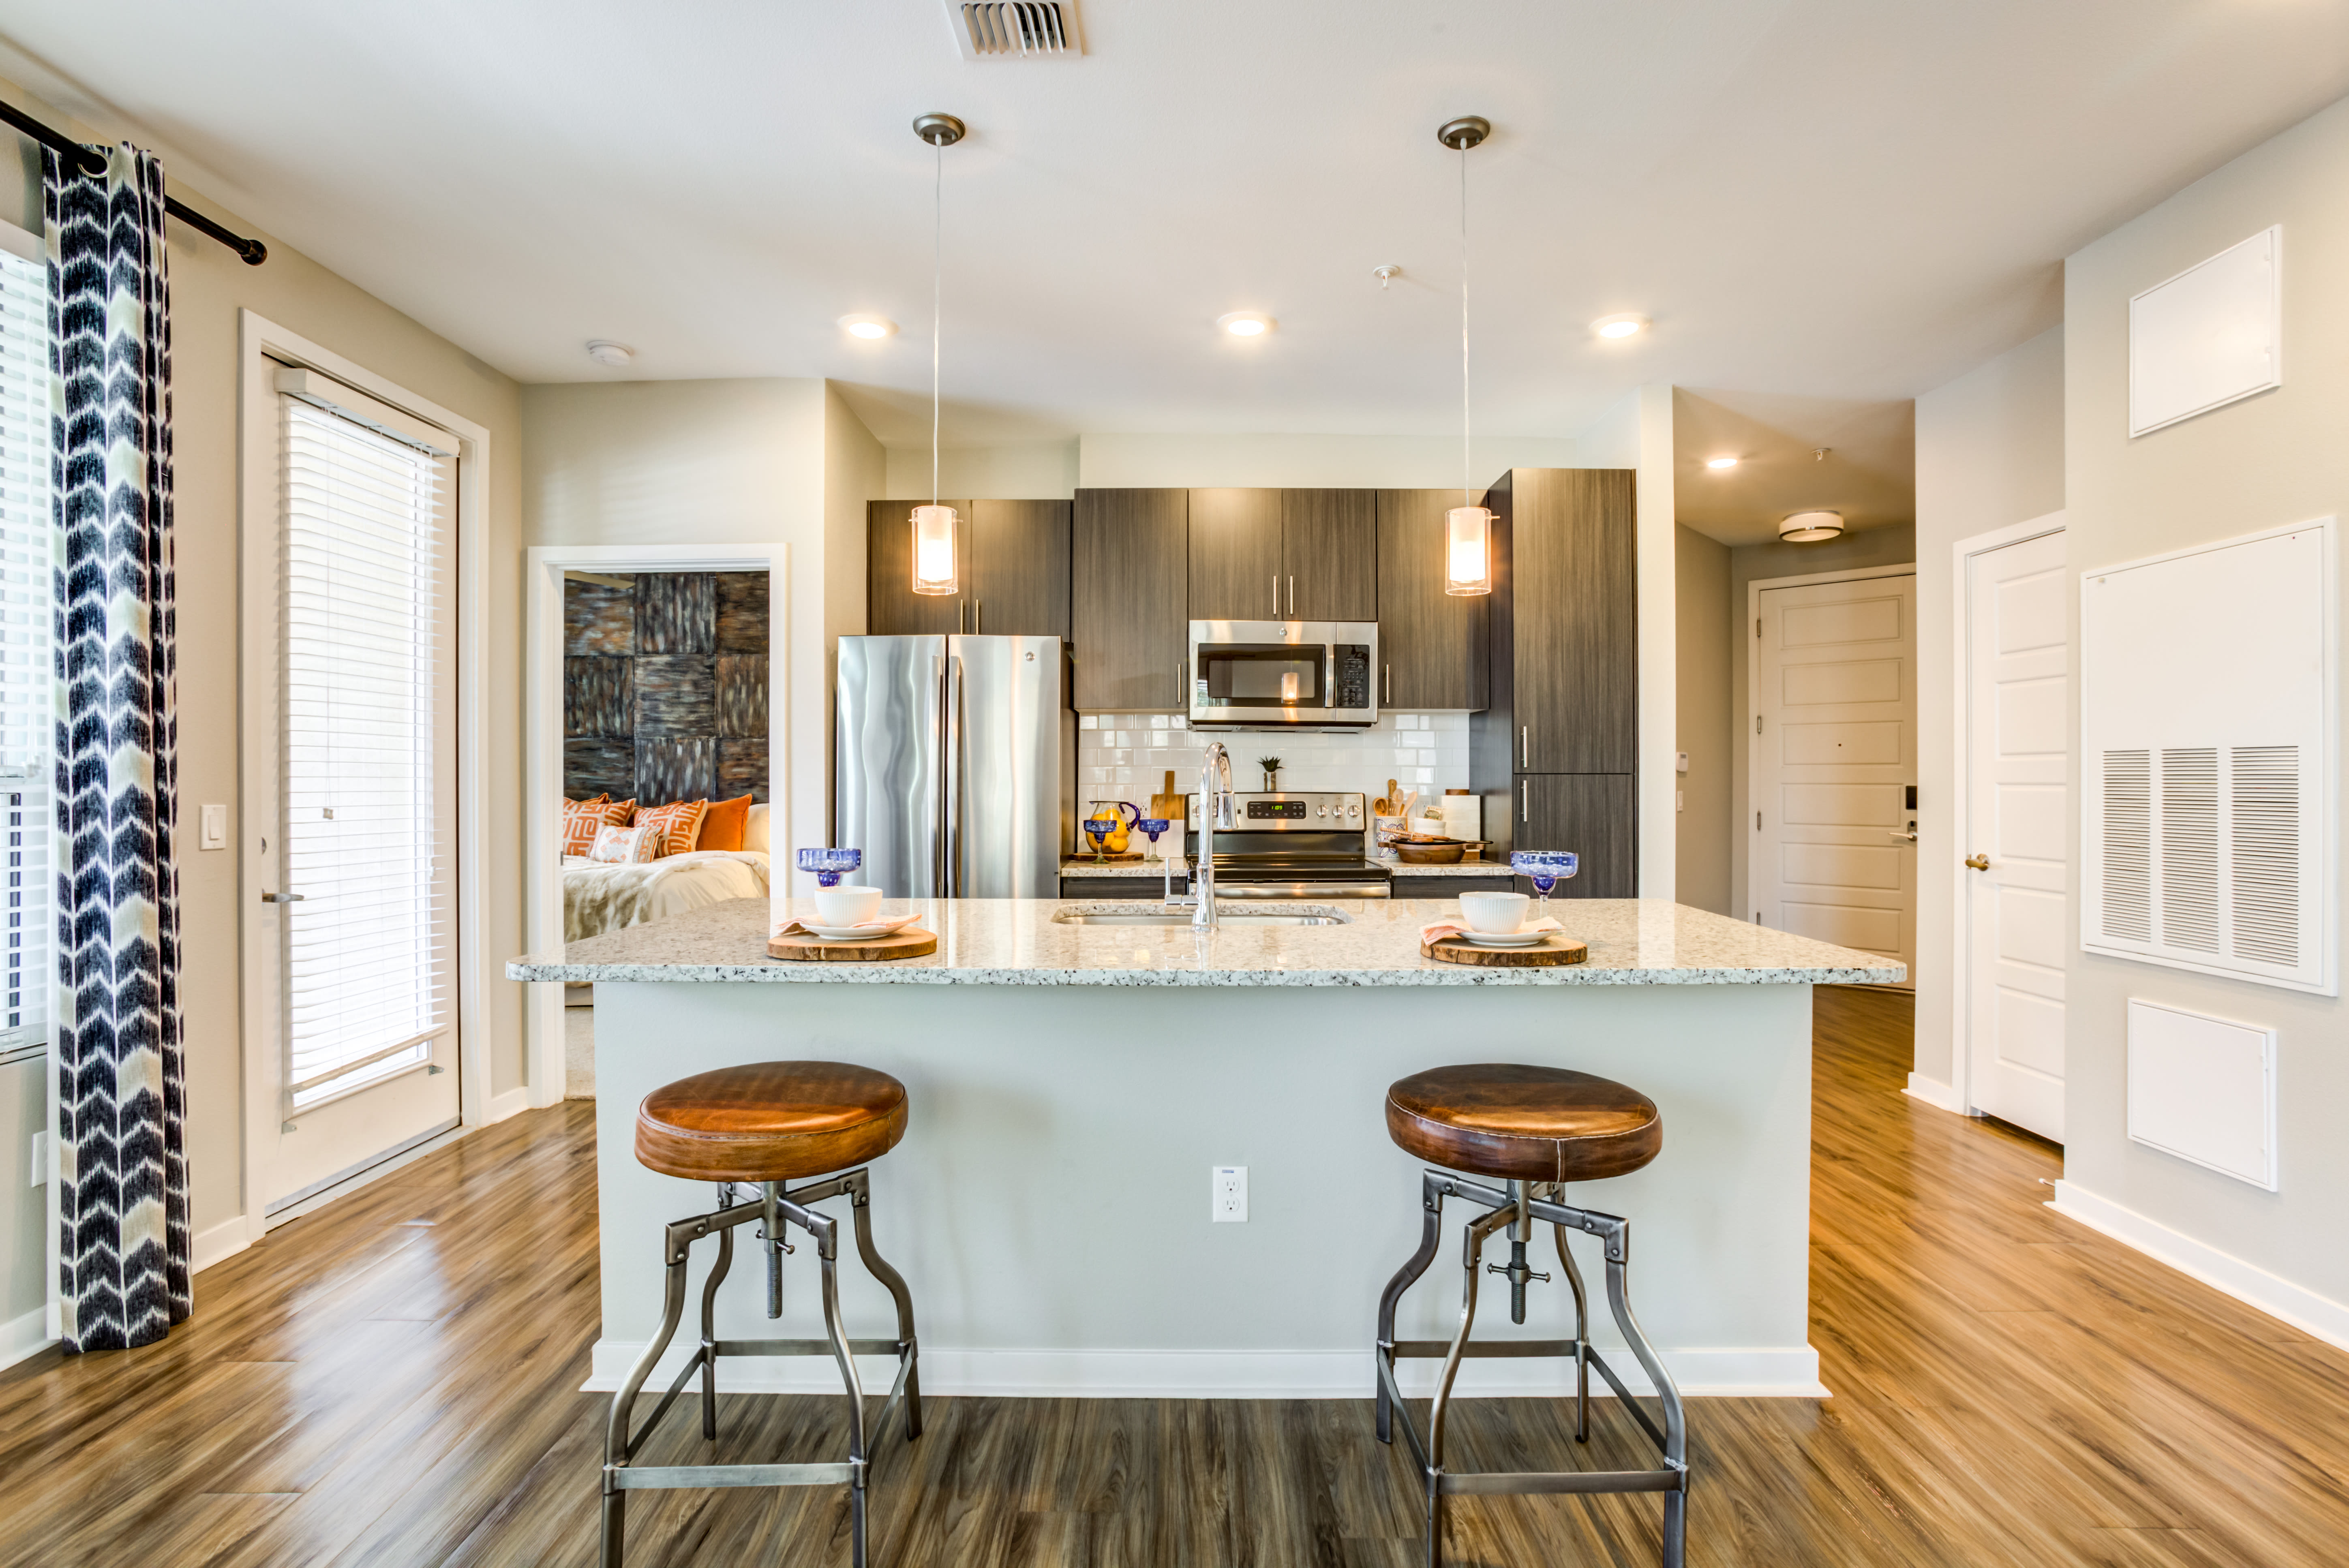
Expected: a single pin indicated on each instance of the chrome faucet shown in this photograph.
(1216, 810)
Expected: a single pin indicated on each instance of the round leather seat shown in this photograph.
(769, 1121)
(1521, 1123)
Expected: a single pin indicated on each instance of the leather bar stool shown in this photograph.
(1533, 1131)
(766, 1126)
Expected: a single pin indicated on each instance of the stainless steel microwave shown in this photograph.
(1261, 675)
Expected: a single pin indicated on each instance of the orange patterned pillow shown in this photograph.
(678, 822)
(581, 818)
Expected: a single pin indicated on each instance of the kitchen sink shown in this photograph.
(1148, 915)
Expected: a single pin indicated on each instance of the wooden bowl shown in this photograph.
(1412, 854)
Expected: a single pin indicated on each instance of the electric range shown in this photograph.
(1302, 844)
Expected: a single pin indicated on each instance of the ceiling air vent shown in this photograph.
(992, 29)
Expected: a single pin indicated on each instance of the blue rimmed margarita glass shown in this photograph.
(1153, 826)
(1548, 868)
(829, 864)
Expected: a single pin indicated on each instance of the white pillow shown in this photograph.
(627, 846)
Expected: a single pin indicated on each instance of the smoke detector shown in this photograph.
(997, 29)
(604, 351)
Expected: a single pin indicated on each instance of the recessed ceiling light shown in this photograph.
(1622, 325)
(1721, 462)
(604, 351)
(868, 327)
(1245, 323)
(1810, 527)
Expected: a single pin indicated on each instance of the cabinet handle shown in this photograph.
(1525, 800)
(962, 615)
(1389, 671)
(1276, 595)
(979, 617)
(1526, 746)
(1292, 598)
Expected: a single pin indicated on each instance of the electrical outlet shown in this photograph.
(41, 1160)
(1230, 1194)
(213, 834)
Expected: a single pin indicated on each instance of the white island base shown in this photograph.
(1049, 1203)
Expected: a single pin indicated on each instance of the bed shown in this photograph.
(598, 897)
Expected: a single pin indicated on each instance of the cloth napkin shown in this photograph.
(1441, 929)
(880, 926)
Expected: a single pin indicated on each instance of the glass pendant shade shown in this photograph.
(934, 551)
(1467, 551)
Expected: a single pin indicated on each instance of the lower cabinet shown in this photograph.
(1129, 890)
(1594, 815)
(1495, 880)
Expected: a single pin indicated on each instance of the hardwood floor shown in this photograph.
(392, 1381)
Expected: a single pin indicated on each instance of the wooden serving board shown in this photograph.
(1085, 858)
(1554, 950)
(907, 942)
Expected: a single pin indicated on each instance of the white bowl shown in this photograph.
(851, 905)
(1497, 914)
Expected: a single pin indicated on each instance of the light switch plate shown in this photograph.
(44, 1162)
(214, 834)
(1680, 761)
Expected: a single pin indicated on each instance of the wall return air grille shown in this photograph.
(996, 29)
(2206, 711)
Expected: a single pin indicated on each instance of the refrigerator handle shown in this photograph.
(950, 884)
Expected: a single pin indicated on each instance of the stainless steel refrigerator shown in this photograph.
(955, 760)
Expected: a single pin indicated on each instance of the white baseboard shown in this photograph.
(1787, 1374)
(514, 1102)
(2321, 1316)
(224, 1240)
(26, 1336)
(1934, 1092)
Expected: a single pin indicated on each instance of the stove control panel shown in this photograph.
(1318, 811)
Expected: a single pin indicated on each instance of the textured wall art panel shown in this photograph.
(665, 686)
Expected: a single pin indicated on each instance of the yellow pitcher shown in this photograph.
(1108, 824)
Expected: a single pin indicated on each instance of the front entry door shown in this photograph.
(2018, 685)
(1834, 758)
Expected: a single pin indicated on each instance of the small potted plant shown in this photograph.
(1271, 765)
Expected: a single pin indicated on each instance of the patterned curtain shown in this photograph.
(121, 1084)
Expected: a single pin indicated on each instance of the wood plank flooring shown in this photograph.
(393, 1381)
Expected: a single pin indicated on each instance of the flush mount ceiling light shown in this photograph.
(604, 351)
(1245, 323)
(1721, 462)
(1468, 528)
(936, 572)
(1628, 324)
(868, 327)
(1810, 527)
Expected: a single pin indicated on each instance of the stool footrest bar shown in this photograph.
(808, 1347)
(1491, 1483)
(1439, 1349)
(663, 1478)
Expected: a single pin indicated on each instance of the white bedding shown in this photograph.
(597, 898)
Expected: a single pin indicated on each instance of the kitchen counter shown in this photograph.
(1016, 942)
(1074, 1087)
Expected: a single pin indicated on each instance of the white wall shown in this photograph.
(1704, 720)
(1990, 453)
(1038, 470)
(709, 462)
(2272, 459)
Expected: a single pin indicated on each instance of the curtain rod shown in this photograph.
(91, 162)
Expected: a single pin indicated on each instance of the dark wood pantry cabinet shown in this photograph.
(1128, 624)
(1431, 644)
(1013, 571)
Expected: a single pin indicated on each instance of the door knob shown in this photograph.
(1979, 862)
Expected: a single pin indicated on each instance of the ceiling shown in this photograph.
(1867, 472)
(1821, 198)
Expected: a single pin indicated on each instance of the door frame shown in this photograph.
(542, 721)
(1742, 867)
(1960, 813)
(261, 341)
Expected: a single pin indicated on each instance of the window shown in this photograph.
(368, 787)
(27, 672)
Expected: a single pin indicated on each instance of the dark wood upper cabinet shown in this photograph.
(1130, 555)
(1570, 631)
(1592, 814)
(1433, 645)
(1328, 548)
(1234, 555)
(1019, 582)
(892, 608)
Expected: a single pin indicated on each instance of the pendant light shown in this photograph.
(937, 569)
(1468, 528)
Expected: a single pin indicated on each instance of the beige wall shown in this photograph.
(2267, 461)
(1890, 546)
(1706, 721)
(209, 287)
(1990, 453)
(855, 470)
(1032, 471)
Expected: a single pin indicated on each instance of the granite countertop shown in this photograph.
(1080, 866)
(1016, 942)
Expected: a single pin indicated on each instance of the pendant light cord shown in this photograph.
(1467, 466)
(938, 294)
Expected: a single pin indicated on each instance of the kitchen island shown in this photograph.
(1072, 1086)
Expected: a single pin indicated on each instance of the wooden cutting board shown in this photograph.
(907, 942)
(1167, 805)
(1554, 950)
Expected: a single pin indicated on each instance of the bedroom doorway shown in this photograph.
(655, 725)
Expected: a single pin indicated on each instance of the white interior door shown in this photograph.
(351, 811)
(2017, 714)
(1834, 758)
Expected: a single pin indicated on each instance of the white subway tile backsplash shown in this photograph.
(1427, 751)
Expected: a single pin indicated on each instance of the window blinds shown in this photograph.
(366, 684)
(27, 630)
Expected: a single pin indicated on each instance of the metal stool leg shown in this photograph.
(1581, 1339)
(1471, 1259)
(860, 1206)
(1431, 1202)
(1675, 1437)
(615, 1430)
(709, 1319)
